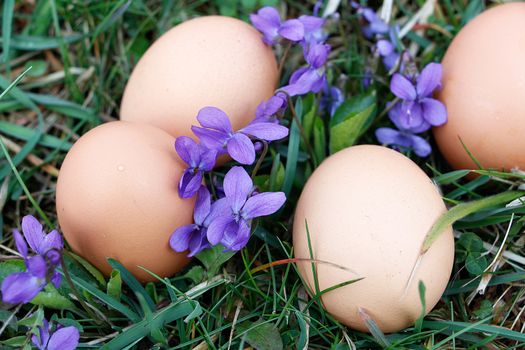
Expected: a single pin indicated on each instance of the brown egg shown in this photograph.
(484, 91)
(208, 61)
(117, 197)
(368, 209)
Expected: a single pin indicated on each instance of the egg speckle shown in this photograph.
(208, 61)
(117, 198)
(368, 209)
(484, 89)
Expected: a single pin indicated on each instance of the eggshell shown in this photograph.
(484, 91)
(368, 209)
(208, 61)
(117, 197)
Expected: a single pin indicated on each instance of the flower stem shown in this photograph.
(261, 158)
(283, 58)
(97, 319)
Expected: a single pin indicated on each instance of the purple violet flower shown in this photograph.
(64, 338)
(418, 106)
(268, 21)
(193, 237)
(313, 29)
(331, 99)
(404, 138)
(216, 133)
(388, 53)
(311, 78)
(22, 287)
(376, 26)
(240, 206)
(267, 110)
(199, 159)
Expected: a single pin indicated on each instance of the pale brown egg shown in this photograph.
(208, 61)
(368, 209)
(484, 91)
(117, 198)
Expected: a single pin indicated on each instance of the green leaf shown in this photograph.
(90, 268)
(471, 242)
(13, 321)
(319, 140)
(485, 310)
(419, 321)
(11, 266)
(464, 209)
(196, 274)
(38, 67)
(276, 174)
(213, 258)
(262, 335)
(132, 282)
(51, 298)
(15, 342)
(197, 311)
(349, 121)
(34, 319)
(476, 263)
(114, 287)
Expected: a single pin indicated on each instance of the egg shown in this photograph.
(368, 209)
(484, 90)
(117, 197)
(208, 61)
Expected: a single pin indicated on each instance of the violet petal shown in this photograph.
(202, 205)
(237, 186)
(21, 287)
(217, 228)
(214, 118)
(180, 238)
(65, 338)
(241, 149)
(292, 29)
(434, 111)
(266, 131)
(429, 79)
(402, 87)
(20, 243)
(263, 204)
(33, 232)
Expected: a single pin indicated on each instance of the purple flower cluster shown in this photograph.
(217, 137)
(227, 219)
(416, 111)
(63, 338)
(385, 36)
(22, 287)
(307, 31)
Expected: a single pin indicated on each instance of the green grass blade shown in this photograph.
(461, 210)
(143, 328)
(7, 22)
(25, 134)
(293, 152)
(475, 327)
(132, 282)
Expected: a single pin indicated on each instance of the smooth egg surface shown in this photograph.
(117, 198)
(484, 92)
(208, 61)
(368, 209)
